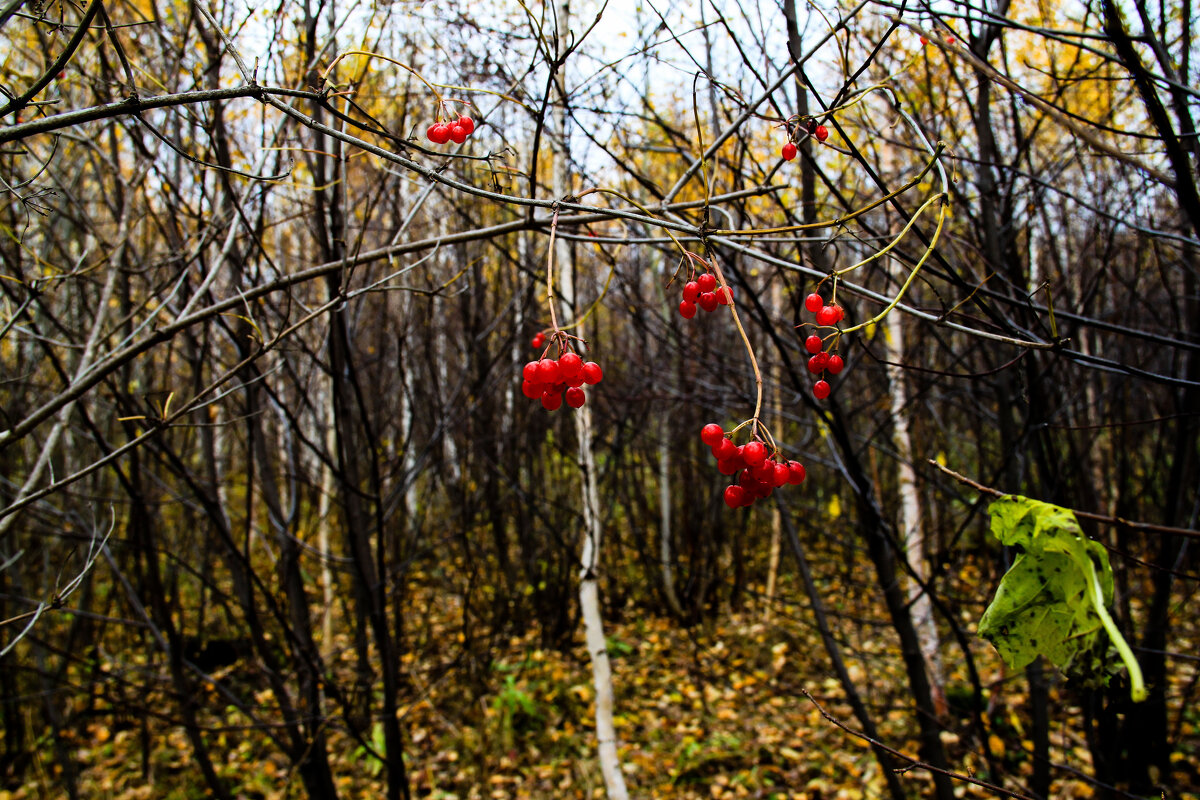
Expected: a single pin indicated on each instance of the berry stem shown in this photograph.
(942, 214)
(837, 274)
(401, 64)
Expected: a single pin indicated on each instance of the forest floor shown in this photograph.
(717, 710)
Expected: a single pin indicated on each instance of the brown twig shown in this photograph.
(913, 763)
(1102, 518)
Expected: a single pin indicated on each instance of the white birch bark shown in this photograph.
(589, 573)
(912, 530)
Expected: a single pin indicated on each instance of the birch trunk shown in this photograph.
(911, 527)
(589, 573)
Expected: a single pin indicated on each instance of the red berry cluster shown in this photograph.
(789, 148)
(538, 341)
(457, 131)
(821, 360)
(547, 379)
(761, 473)
(703, 292)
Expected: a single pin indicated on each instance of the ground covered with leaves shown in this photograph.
(715, 709)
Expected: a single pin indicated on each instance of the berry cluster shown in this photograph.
(822, 360)
(703, 292)
(457, 131)
(547, 379)
(761, 472)
(538, 341)
(820, 132)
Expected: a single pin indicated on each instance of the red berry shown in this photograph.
(457, 133)
(531, 390)
(814, 303)
(438, 133)
(592, 374)
(822, 133)
(788, 152)
(835, 364)
(569, 366)
(820, 390)
(764, 472)
(924, 40)
(708, 301)
(796, 473)
(827, 316)
(467, 124)
(782, 473)
(724, 295)
(735, 496)
(813, 344)
(687, 310)
(841, 312)
(530, 371)
(724, 450)
(538, 340)
(691, 291)
(547, 371)
(575, 397)
(728, 466)
(711, 434)
(551, 400)
(818, 363)
(707, 282)
(754, 453)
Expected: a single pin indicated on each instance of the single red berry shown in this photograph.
(724, 450)
(835, 364)
(687, 310)
(818, 363)
(538, 340)
(531, 390)
(551, 400)
(708, 301)
(814, 303)
(820, 390)
(577, 380)
(438, 133)
(691, 291)
(457, 133)
(782, 473)
(788, 152)
(530, 371)
(754, 453)
(735, 496)
(764, 472)
(796, 473)
(467, 124)
(575, 397)
(813, 344)
(724, 295)
(711, 434)
(827, 316)
(924, 41)
(592, 374)
(728, 466)
(547, 371)
(707, 282)
(822, 133)
(950, 40)
(569, 366)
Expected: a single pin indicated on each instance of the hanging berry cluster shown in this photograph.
(456, 131)
(551, 380)
(795, 129)
(821, 359)
(701, 291)
(762, 472)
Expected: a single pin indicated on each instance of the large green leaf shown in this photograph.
(1054, 599)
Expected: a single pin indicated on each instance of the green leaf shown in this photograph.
(1054, 599)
